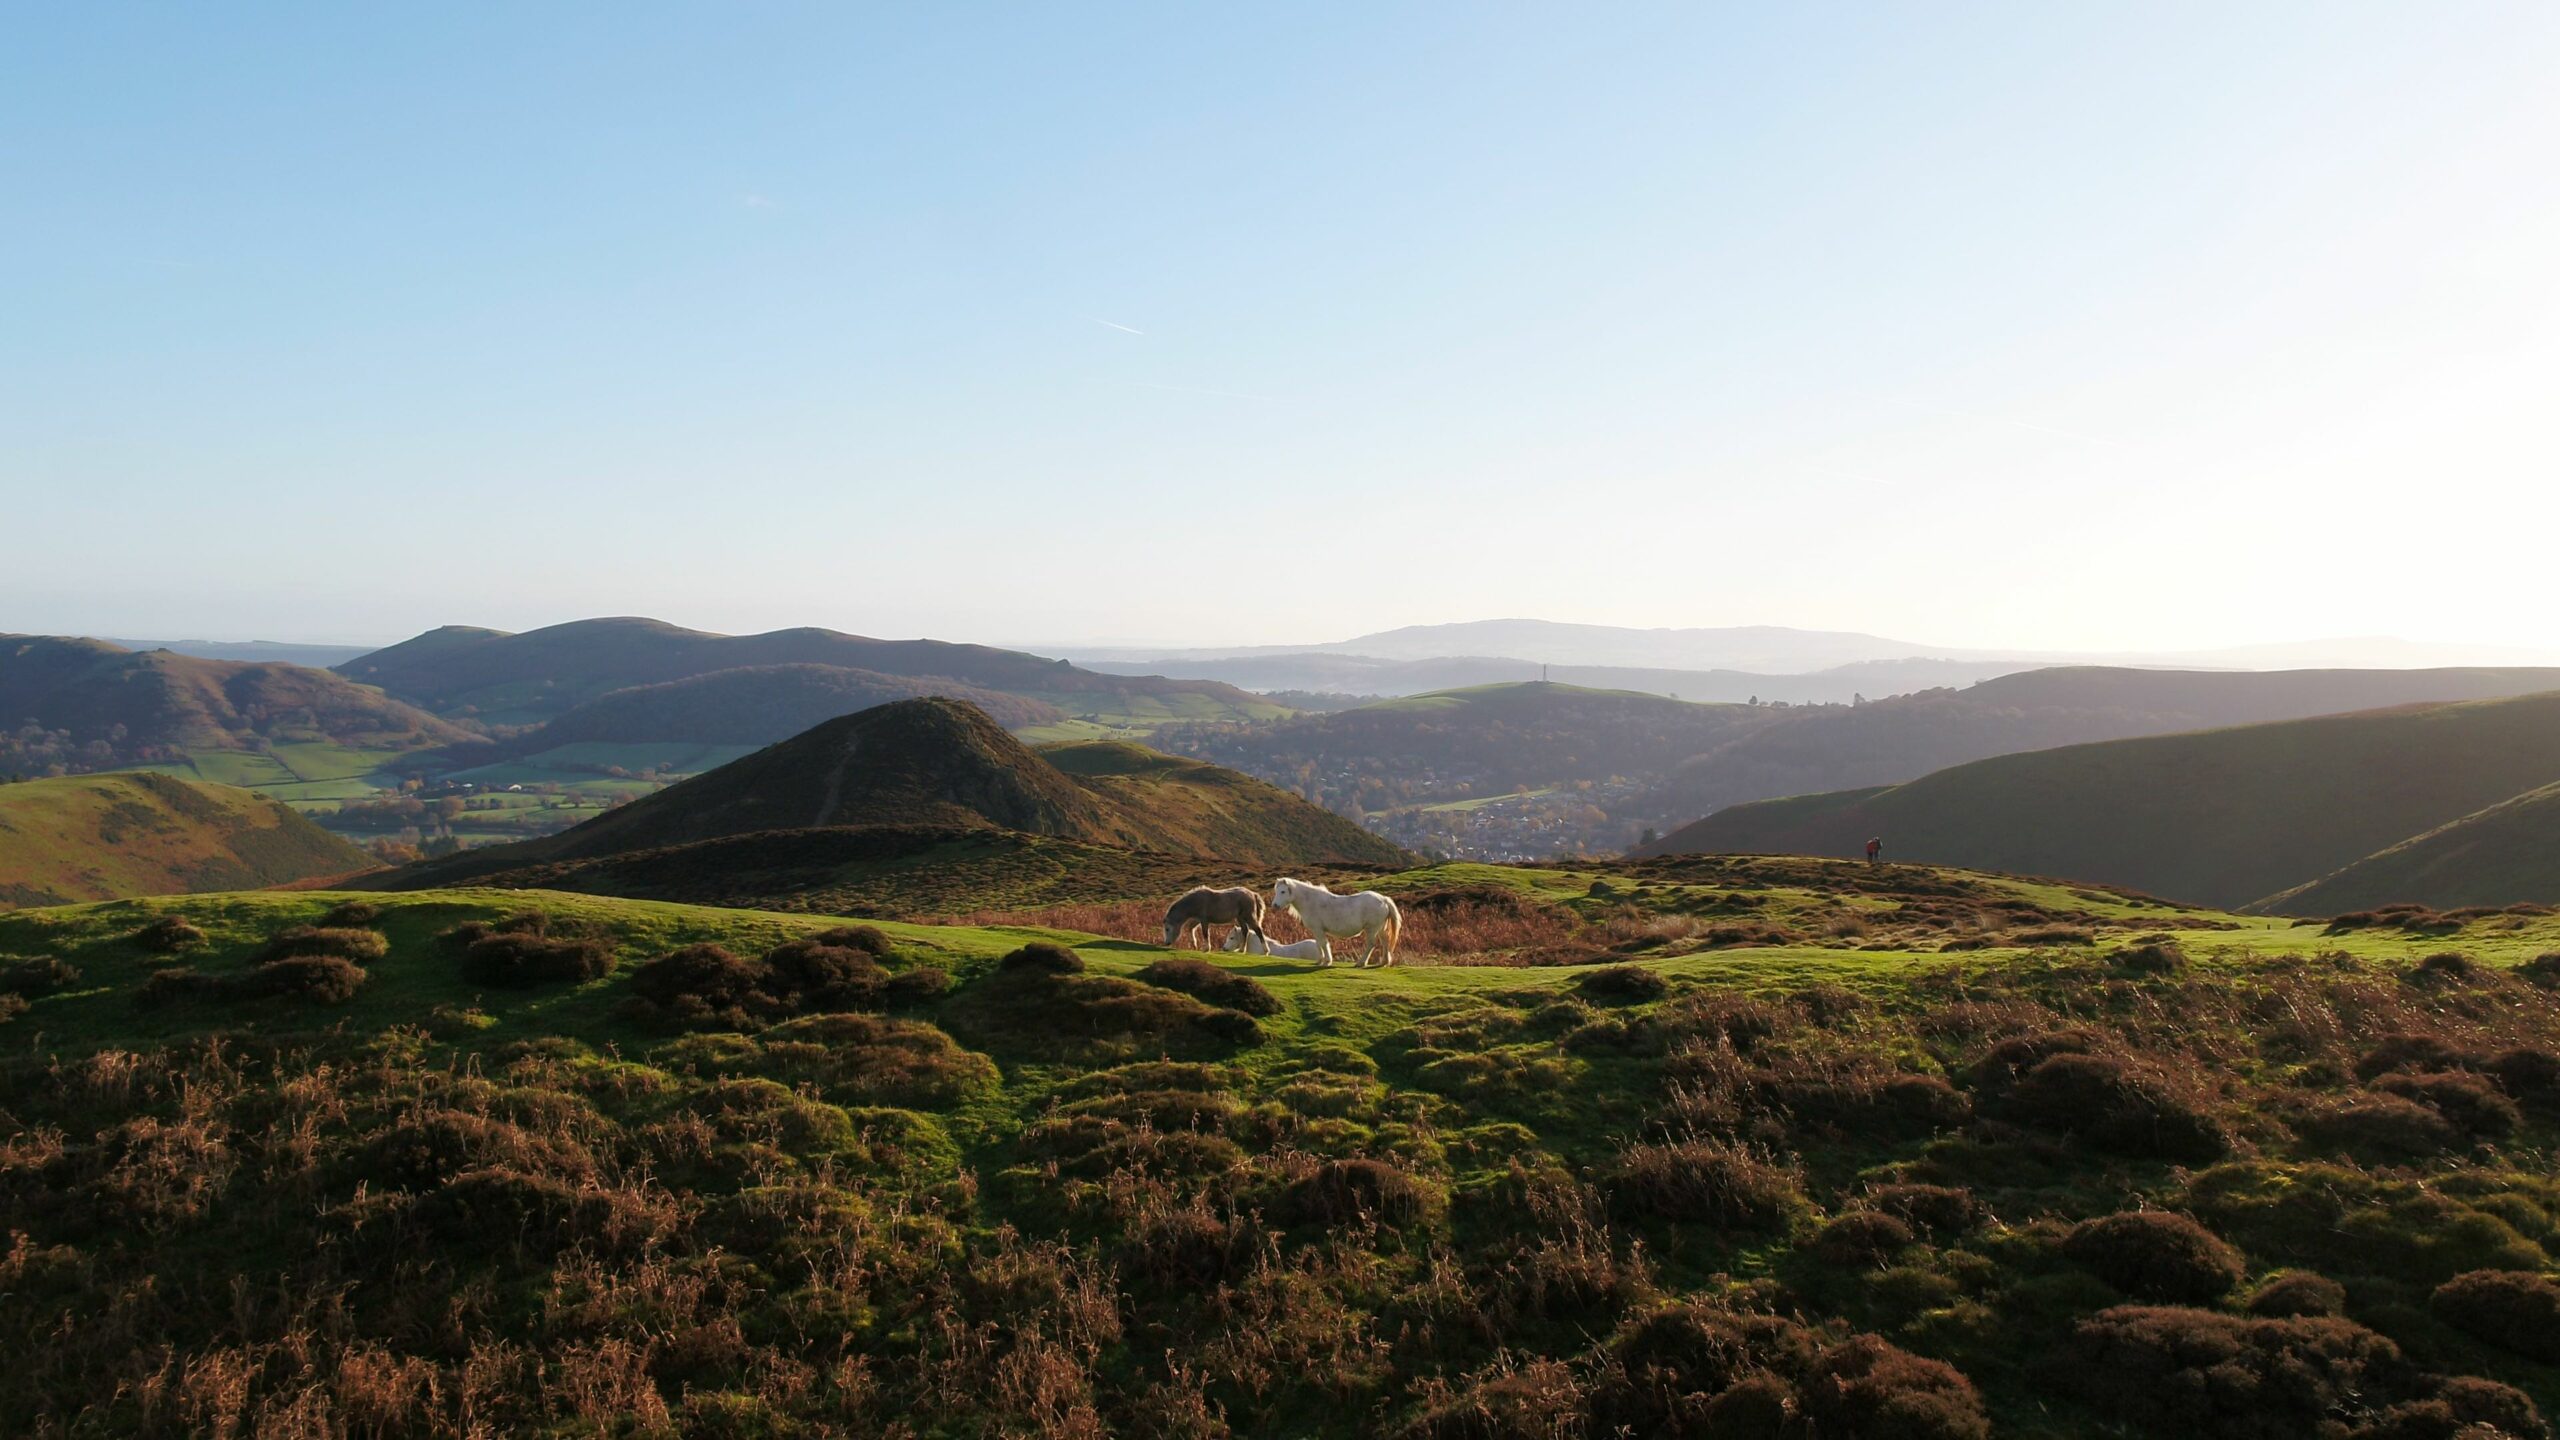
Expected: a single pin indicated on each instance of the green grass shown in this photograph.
(122, 833)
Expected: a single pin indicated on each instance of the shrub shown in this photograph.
(524, 922)
(2296, 1293)
(2516, 1310)
(352, 913)
(1863, 1237)
(167, 935)
(1942, 1210)
(2542, 970)
(465, 935)
(2527, 1074)
(1208, 983)
(2156, 958)
(2469, 1103)
(1043, 957)
(1540, 1399)
(358, 945)
(1668, 1365)
(521, 959)
(42, 975)
(320, 979)
(2155, 1255)
(916, 986)
(2377, 1127)
(427, 1148)
(1865, 1386)
(1705, 1181)
(1232, 1027)
(2445, 967)
(2205, 1373)
(869, 939)
(1624, 983)
(1339, 1192)
(2404, 1051)
(823, 976)
(177, 985)
(2108, 1103)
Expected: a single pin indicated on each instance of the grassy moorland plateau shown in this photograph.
(918, 1132)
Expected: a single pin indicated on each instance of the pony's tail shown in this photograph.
(1395, 928)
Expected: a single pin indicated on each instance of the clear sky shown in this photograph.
(2035, 324)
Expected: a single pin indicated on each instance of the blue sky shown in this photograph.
(2086, 326)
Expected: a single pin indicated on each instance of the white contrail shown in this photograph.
(1116, 325)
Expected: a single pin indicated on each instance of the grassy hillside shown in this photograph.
(2222, 816)
(1812, 750)
(924, 764)
(2507, 854)
(889, 1181)
(760, 704)
(92, 837)
(1201, 809)
(541, 674)
(83, 705)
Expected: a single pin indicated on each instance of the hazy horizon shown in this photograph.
(2155, 328)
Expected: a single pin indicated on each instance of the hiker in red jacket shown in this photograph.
(1875, 848)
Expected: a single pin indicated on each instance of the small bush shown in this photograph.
(1863, 1238)
(1623, 983)
(352, 914)
(2542, 970)
(1232, 1027)
(916, 986)
(167, 936)
(521, 959)
(2445, 967)
(177, 985)
(42, 975)
(700, 977)
(2297, 1293)
(1340, 1192)
(2203, 1373)
(2514, 1310)
(2469, 1103)
(1942, 1210)
(2156, 958)
(1865, 1386)
(2409, 1052)
(1043, 957)
(825, 977)
(465, 935)
(319, 979)
(1207, 982)
(12, 1006)
(524, 922)
(2527, 1074)
(1665, 1364)
(2379, 1128)
(1705, 1181)
(2155, 1255)
(2115, 1107)
(869, 939)
(357, 945)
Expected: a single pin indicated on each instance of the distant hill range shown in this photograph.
(286, 652)
(1903, 738)
(1321, 673)
(1782, 650)
(96, 704)
(936, 764)
(105, 837)
(538, 675)
(760, 704)
(2226, 817)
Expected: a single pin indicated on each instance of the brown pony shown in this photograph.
(1207, 908)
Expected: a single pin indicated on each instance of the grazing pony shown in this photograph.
(1371, 916)
(1294, 950)
(1207, 909)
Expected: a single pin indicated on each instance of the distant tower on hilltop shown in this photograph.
(1542, 674)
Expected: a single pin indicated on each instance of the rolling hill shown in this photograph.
(942, 764)
(760, 704)
(540, 674)
(94, 705)
(1321, 672)
(1905, 737)
(102, 837)
(2507, 854)
(2220, 817)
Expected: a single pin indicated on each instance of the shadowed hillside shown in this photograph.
(2222, 816)
(1201, 809)
(87, 705)
(760, 704)
(99, 837)
(2507, 854)
(1889, 741)
(539, 674)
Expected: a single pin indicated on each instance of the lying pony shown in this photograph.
(1239, 939)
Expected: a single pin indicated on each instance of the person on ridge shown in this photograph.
(1875, 848)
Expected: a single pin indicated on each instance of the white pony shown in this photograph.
(1371, 916)
(1238, 940)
